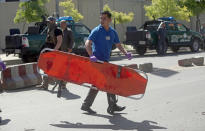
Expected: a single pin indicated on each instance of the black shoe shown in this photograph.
(112, 109)
(88, 109)
(63, 87)
(45, 87)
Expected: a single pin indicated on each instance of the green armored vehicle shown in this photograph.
(177, 36)
(29, 45)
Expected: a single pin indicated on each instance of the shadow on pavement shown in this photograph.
(135, 55)
(20, 89)
(163, 72)
(66, 94)
(117, 122)
(5, 122)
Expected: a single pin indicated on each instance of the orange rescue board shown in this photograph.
(105, 76)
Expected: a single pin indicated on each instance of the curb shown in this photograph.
(198, 61)
(20, 76)
(185, 62)
(146, 67)
(133, 66)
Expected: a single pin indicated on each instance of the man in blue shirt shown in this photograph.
(99, 46)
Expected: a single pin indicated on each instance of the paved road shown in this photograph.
(174, 101)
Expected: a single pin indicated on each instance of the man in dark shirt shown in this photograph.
(67, 43)
(54, 35)
(53, 40)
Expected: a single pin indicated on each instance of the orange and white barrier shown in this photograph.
(20, 76)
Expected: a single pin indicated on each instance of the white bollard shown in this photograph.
(185, 62)
(146, 67)
(198, 61)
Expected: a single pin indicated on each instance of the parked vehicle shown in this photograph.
(178, 35)
(29, 45)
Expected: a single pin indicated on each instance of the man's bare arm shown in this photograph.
(88, 46)
(119, 46)
(69, 50)
(59, 42)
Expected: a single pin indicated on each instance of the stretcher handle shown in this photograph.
(42, 51)
(38, 70)
(143, 74)
(136, 98)
(46, 49)
(99, 61)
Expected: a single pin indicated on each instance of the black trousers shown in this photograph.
(111, 98)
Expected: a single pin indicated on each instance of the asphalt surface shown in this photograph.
(174, 101)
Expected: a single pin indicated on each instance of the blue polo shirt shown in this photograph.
(103, 41)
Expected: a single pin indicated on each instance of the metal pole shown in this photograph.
(101, 5)
(57, 8)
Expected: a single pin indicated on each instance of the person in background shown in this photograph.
(67, 43)
(53, 40)
(162, 38)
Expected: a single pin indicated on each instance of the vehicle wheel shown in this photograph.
(25, 59)
(175, 49)
(195, 45)
(162, 50)
(141, 50)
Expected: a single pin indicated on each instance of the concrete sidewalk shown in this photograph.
(11, 59)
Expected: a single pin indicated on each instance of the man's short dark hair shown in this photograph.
(109, 15)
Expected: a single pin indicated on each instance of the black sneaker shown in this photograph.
(112, 109)
(63, 87)
(88, 109)
(43, 86)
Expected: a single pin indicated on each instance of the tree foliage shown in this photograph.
(31, 11)
(166, 8)
(196, 7)
(70, 10)
(120, 17)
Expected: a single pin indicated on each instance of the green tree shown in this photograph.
(196, 7)
(120, 17)
(165, 8)
(31, 11)
(70, 10)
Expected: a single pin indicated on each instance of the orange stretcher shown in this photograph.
(104, 76)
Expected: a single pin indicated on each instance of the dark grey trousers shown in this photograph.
(47, 80)
(111, 98)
